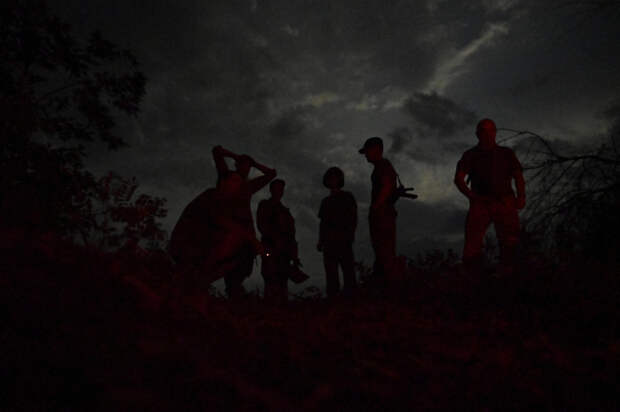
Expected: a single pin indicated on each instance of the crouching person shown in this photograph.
(208, 235)
(338, 214)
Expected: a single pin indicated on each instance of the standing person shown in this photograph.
(338, 214)
(382, 214)
(491, 169)
(277, 228)
(242, 211)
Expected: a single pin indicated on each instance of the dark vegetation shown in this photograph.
(88, 330)
(92, 320)
(58, 95)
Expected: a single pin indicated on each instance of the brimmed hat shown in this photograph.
(370, 142)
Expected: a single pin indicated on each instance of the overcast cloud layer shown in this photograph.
(299, 85)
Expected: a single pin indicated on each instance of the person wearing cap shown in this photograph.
(382, 214)
(277, 228)
(242, 210)
(338, 215)
(491, 169)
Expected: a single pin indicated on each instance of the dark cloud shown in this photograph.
(437, 125)
(305, 218)
(300, 85)
(429, 151)
(401, 137)
(612, 115)
(430, 156)
(418, 218)
(289, 125)
(426, 226)
(458, 147)
(438, 116)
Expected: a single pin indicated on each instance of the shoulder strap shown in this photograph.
(400, 184)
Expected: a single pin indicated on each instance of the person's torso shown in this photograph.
(383, 170)
(338, 215)
(280, 222)
(241, 208)
(491, 171)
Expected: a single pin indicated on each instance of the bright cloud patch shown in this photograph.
(320, 99)
(456, 62)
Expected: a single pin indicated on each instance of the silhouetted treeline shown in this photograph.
(57, 93)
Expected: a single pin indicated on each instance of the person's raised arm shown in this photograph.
(259, 182)
(219, 153)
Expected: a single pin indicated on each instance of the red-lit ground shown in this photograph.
(80, 334)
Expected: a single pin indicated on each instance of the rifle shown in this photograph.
(402, 191)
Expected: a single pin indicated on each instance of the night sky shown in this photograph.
(299, 85)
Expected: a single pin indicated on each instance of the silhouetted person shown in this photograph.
(277, 228)
(338, 214)
(242, 211)
(490, 168)
(208, 234)
(382, 214)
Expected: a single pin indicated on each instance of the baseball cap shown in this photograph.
(370, 142)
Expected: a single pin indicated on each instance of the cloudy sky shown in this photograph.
(299, 85)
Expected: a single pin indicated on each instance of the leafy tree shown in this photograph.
(56, 94)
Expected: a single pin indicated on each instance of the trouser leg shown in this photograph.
(282, 287)
(243, 269)
(348, 269)
(275, 276)
(506, 221)
(476, 225)
(268, 274)
(383, 238)
(330, 262)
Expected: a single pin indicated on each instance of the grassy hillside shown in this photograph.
(85, 330)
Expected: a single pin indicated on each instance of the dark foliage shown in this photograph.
(435, 260)
(57, 93)
(54, 86)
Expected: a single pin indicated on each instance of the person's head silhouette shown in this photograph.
(486, 132)
(276, 187)
(373, 149)
(243, 164)
(333, 178)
